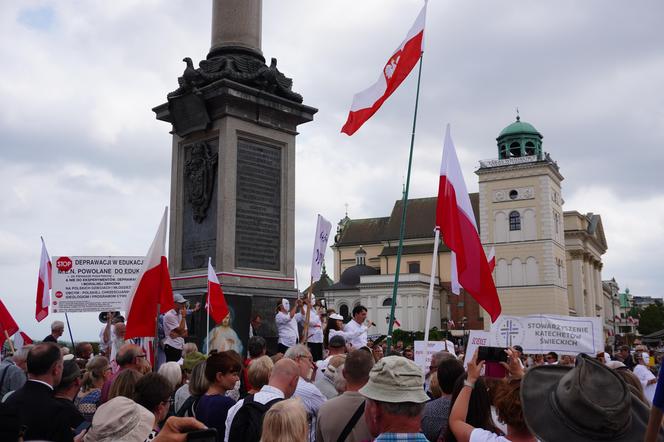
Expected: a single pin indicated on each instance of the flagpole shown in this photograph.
(305, 330)
(434, 260)
(73, 346)
(403, 212)
(156, 337)
(207, 330)
(11, 344)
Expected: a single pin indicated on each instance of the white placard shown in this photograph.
(323, 228)
(544, 333)
(93, 283)
(423, 357)
(476, 338)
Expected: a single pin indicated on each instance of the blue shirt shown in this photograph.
(401, 437)
(212, 410)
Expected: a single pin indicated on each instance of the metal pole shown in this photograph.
(73, 345)
(403, 213)
(434, 260)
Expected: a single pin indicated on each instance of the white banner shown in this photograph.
(544, 333)
(423, 356)
(476, 338)
(323, 228)
(93, 283)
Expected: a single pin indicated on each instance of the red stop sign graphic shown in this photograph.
(63, 264)
(58, 294)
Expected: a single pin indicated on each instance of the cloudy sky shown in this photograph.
(84, 163)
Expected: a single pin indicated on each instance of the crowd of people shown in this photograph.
(340, 387)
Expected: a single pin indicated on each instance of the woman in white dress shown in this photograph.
(647, 379)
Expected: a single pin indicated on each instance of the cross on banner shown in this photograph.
(507, 331)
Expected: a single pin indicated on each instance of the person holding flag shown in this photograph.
(175, 328)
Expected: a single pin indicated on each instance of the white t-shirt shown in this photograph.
(481, 435)
(113, 344)
(644, 374)
(287, 328)
(172, 320)
(315, 326)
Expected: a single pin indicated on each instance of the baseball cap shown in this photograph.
(395, 379)
(70, 370)
(336, 316)
(179, 299)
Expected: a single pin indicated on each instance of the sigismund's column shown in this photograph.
(234, 122)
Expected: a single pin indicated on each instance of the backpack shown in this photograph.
(188, 407)
(247, 424)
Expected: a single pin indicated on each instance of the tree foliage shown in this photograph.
(652, 319)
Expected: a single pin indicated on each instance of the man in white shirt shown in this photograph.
(282, 385)
(175, 329)
(306, 391)
(355, 325)
(287, 324)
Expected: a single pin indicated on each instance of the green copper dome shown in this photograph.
(519, 127)
(519, 139)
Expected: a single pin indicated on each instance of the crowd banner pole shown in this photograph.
(156, 338)
(207, 329)
(11, 344)
(73, 345)
(434, 262)
(403, 214)
(305, 330)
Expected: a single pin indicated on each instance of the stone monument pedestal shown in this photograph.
(233, 174)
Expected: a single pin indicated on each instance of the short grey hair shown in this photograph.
(297, 351)
(407, 409)
(172, 372)
(441, 356)
(57, 325)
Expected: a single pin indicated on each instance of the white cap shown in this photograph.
(285, 303)
(336, 316)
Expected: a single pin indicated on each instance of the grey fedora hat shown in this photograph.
(585, 402)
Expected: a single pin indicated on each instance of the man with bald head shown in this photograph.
(242, 419)
(34, 404)
(129, 356)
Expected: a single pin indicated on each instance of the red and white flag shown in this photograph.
(21, 339)
(397, 68)
(152, 288)
(454, 216)
(491, 259)
(7, 324)
(43, 284)
(216, 302)
(397, 323)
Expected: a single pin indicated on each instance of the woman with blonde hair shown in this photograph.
(285, 421)
(125, 384)
(97, 371)
(259, 373)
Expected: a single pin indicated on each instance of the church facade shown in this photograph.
(547, 260)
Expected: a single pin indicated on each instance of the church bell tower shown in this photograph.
(521, 215)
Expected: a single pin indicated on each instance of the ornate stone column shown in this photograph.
(577, 282)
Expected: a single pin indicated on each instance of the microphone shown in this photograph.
(372, 324)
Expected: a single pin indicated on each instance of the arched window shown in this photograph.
(530, 148)
(515, 220)
(515, 149)
(387, 302)
(343, 311)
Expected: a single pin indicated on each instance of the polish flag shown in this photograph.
(151, 289)
(43, 284)
(216, 302)
(21, 339)
(491, 259)
(454, 216)
(7, 324)
(397, 68)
